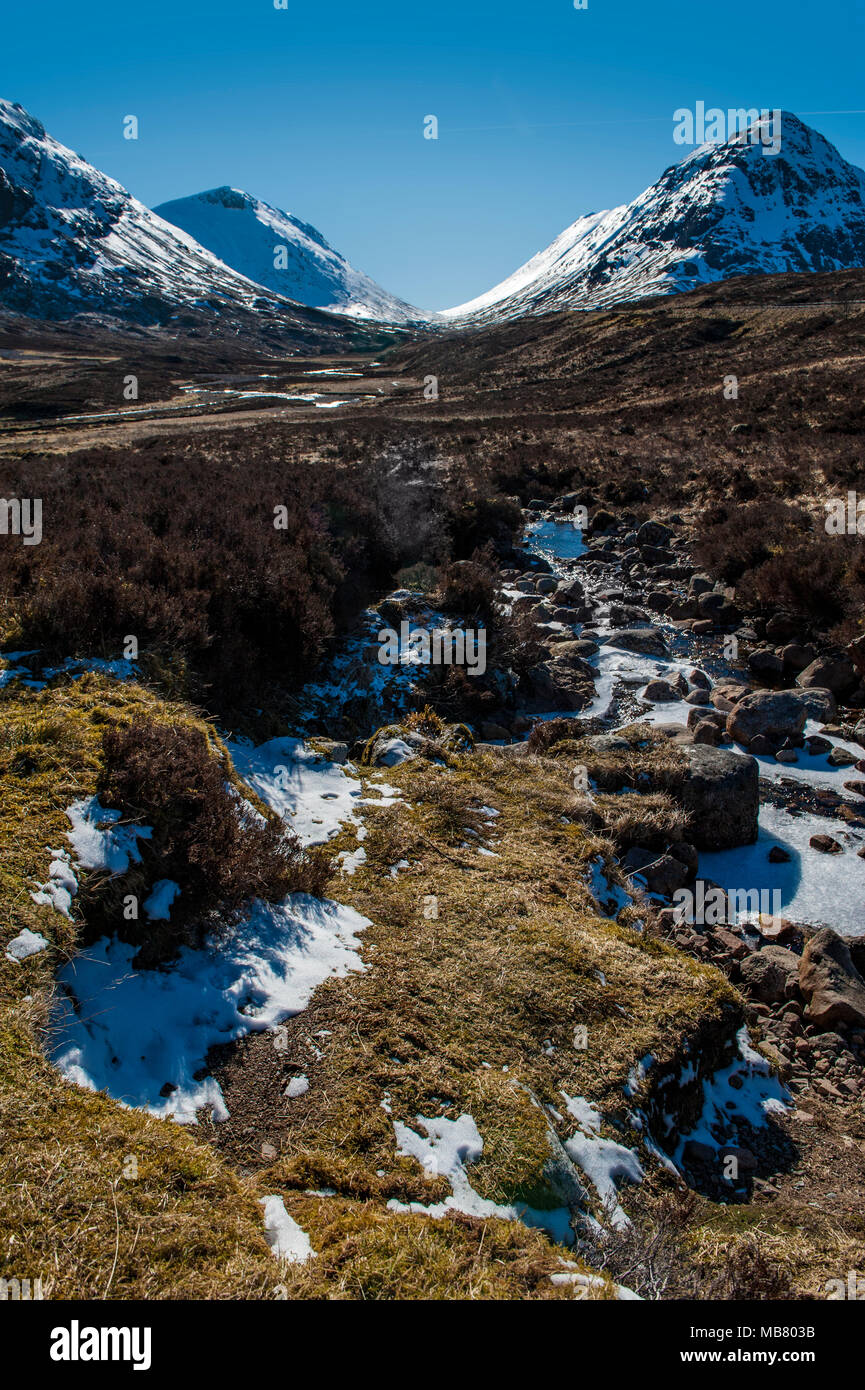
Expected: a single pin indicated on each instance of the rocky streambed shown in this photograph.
(767, 880)
(771, 726)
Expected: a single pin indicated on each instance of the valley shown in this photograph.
(432, 751)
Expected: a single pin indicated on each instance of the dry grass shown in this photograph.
(472, 1010)
(97, 1200)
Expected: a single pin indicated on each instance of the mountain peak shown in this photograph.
(734, 207)
(12, 114)
(276, 249)
(74, 242)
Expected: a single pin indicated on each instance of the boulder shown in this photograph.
(661, 692)
(559, 685)
(775, 928)
(721, 792)
(389, 752)
(818, 703)
(687, 854)
(782, 628)
(856, 947)
(837, 674)
(766, 664)
(657, 559)
(796, 657)
(494, 733)
(662, 872)
(816, 743)
(825, 844)
(840, 757)
(680, 610)
(830, 982)
(654, 533)
(333, 751)
(628, 615)
(710, 602)
(707, 732)
(607, 743)
(700, 584)
(601, 521)
(702, 714)
(648, 641)
(525, 603)
(570, 592)
(731, 690)
(657, 599)
(768, 712)
(771, 975)
(570, 653)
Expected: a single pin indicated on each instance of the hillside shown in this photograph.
(74, 244)
(725, 209)
(290, 257)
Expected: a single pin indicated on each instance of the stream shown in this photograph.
(815, 888)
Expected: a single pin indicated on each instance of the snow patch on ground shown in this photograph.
(61, 886)
(99, 841)
(26, 943)
(158, 905)
(313, 796)
(610, 897)
(287, 1240)
(602, 1160)
(143, 1035)
(746, 1090)
(449, 1147)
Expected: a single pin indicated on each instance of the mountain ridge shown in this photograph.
(725, 209)
(248, 234)
(74, 242)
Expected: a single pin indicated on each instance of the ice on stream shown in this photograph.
(815, 888)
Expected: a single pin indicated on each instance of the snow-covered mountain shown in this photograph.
(278, 250)
(73, 242)
(726, 209)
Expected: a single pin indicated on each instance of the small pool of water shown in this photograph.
(555, 540)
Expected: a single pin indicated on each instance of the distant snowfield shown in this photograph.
(725, 209)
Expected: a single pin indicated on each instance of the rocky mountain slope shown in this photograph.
(290, 257)
(73, 242)
(726, 209)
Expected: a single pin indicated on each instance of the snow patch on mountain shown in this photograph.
(73, 241)
(276, 249)
(724, 210)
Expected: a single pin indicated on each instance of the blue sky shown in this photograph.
(545, 112)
